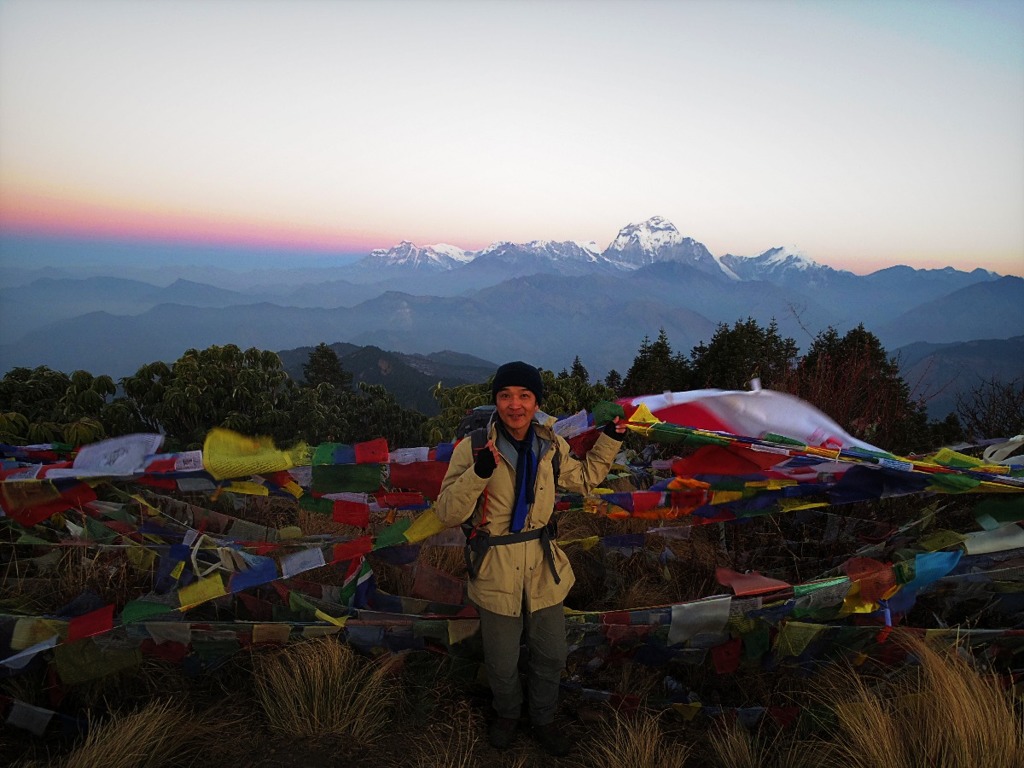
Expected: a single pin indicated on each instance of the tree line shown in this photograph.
(850, 377)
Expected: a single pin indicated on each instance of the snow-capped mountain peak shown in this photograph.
(789, 255)
(651, 235)
(438, 257)
(782, 264)
(656, 240)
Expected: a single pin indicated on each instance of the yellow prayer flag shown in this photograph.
(586, 543)
(687, 711)
(314, 631)
(330, 619)
(29, 631)
(248, 488)
(424, 526)
(228, 454)
(795, 636)
(201, 591)
(792, 505)
(948, 457)
(27, 493)
(148, 508)
(140, 558)
(270, 633)
(724, 497)
(293, 489)
(460, 629)
(642, 415)
(941, 539)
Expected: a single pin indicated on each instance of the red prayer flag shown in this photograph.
(161, 466)
(875, 578)
(615, 617)
(93, 623)
(372, 451)
(164, 483)
(350, 549)
(784, 716)
(645, 501)
(355, 513)
(583, 442)
(169, 651)
(400, 499)
(726, 460)
(726, 657)
(422, 476)
(752, 583)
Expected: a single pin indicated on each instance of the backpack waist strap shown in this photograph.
(478, 541)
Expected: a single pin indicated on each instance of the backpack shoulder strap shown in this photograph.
(478, 438)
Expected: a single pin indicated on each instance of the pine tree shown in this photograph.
(736, 355)
(656, 369)
(324, 367)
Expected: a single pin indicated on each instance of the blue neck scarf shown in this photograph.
(526, 474)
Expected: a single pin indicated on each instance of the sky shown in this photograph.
(863, 133)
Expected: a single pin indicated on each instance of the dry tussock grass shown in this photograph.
(735, 747)
(322, 688)
(319, 524)
(107, 574)
(450, 560)
(633, 741)
(942, 712)
(449, 742)
(161, 734)
(393, 579)
(576, 524)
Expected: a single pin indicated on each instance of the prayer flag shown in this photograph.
(227, 454)
(690, 619)
(751, 583)
(372, 451)
(93, 623)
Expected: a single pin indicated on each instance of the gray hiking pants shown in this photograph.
(547, 650)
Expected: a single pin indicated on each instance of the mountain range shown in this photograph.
(543, 301)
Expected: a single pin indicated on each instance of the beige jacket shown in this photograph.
(510, 573)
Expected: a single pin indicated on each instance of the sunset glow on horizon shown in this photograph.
(865, 134)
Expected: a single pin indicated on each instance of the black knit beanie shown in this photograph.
(518, 374)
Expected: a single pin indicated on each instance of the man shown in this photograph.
(519, 576)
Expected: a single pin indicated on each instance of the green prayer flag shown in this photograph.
(772, 437)
(324, 453)
(99, 532)
(211, 649)
(814, 586)
(84, 661)
(140, 610)
(301, 606)
(350, 478)
(953, 483)
(756, 643)
(28, 538)
(313, 504)
(605, 411)
(392, 535)
(673, 434)
(993, 513)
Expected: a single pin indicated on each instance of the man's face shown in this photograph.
(516, 407)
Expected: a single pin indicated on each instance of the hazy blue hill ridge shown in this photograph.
(545, 302)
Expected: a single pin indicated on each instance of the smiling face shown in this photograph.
(516, 408)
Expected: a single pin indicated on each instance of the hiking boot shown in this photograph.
(502, 731)
(552, 739)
